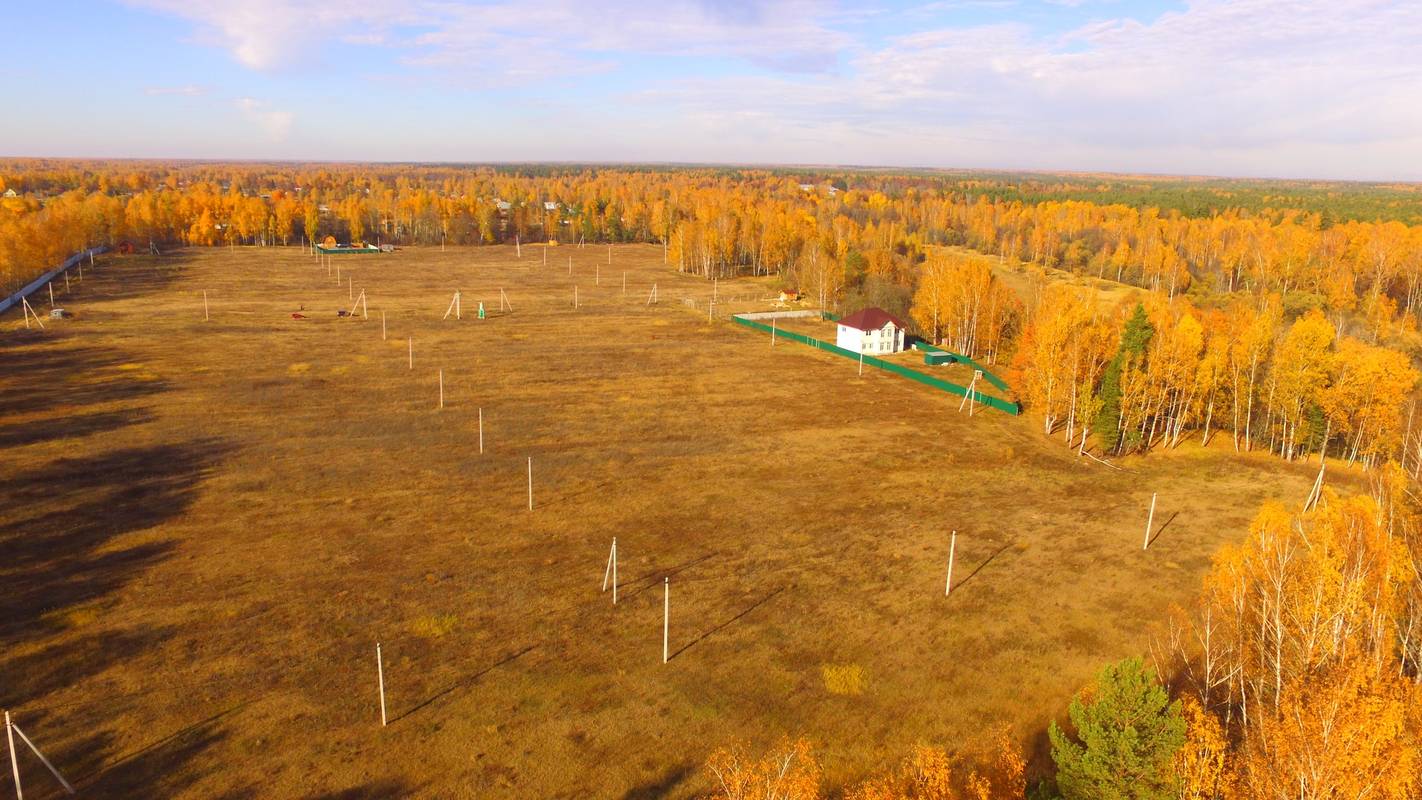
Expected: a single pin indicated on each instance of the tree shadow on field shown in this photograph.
(71, 427)
(662, 785)
(67, 377)
(61, 521)
(748, 609)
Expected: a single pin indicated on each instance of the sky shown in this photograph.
(1263, 88)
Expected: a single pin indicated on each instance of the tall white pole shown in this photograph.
(441, 388)
(861, 363)
(952, 547)
(607, 573)
(530, 483)
(1150, 522)
(411, 343)
(481, 430)
(614, 570)
(205, 318)
(51, 295)
(382, 325)
(772, 331)
(380, 672)
(518, 247)
(14, 762)
(666, 617)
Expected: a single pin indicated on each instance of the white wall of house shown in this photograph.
(888, 339)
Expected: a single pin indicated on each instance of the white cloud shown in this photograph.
(1255, 86)
(1282, 86)
(519, 38)
(275, 124)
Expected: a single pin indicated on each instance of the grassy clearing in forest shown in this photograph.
(209, 525)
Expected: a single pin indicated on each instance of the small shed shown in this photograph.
(872, 331)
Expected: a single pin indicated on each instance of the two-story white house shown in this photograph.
(872, 331)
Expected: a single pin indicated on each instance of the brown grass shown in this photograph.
(208, 526)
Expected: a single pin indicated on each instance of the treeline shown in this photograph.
(1291, 330)
(1294, 676)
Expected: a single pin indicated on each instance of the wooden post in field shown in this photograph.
(441, 388)
(481, 431)
(666, 618)
(968, 396)
(205, 318)
(772, 331)
(575, 296)
(1150, 522)
(14, 762)
(411, 343)
(952, 547)
(30, 310)
(380, 674)
(652, 297)
(570, 266)
(382, 324)
(530, 483)
(364, 308)
(43, 760)
(504, 301)
(350, 288)
(614, 570)
(51, 295)
(545, 254)
(611, 557)
(861, 363)
(518, 247)
(91, 258)
(609, 253)
(338, 273)
(624, 283)
(66, 281)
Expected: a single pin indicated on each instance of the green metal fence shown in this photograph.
(888, 366)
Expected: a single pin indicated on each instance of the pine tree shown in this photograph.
(1134, 339)
(1127, 735)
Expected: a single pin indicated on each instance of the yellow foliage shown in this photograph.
(788, 772)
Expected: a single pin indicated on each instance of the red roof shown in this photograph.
(871, 319)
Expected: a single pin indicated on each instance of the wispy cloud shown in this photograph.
(1285, 86)
(275, 124)
(522, 38)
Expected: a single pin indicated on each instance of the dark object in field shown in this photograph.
(59, 313)
(343, 314)
(295, 315)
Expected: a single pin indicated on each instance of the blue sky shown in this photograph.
(1290, 88)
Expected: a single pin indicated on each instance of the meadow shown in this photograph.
(209, 524)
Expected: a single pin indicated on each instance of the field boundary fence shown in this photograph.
(754, 322)
(38, 283)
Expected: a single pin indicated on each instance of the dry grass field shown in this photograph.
(208, 526)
